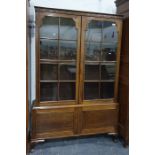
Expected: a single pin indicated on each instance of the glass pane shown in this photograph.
(92, 72)
(105, 33)
(109, 42)
(49, 28)
(48, 72)
(109, 32)
(67, 29)
(48, 49)
(108, 54)
(108, 71)
(67, 50)
(48, 91)
(93, 51)
(67, 72)
(107, 90)
(91, 90)
(94, 31)
(43, 49)
(53, 49)
(67, 91)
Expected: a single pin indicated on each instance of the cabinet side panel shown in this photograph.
(124, 84)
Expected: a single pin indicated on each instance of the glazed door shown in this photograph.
(99, 59)
(77, 63)
(58, 53)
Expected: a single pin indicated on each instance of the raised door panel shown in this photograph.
(99, 119)
(52, 123)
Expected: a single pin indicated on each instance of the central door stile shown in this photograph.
(77, 111)
(80, 59)
(81, 76)
(78, 27)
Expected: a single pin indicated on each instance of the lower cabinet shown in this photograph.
(74, 120)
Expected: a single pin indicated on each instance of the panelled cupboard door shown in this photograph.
(58, 50)
(100, 56)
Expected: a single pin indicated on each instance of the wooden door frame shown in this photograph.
(85, 21)
(39, 18)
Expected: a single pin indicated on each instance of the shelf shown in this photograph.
(46, 38)
(49, 61)
(108, 80)
(99, 42)
(48, 81)
(88, 61)
(110, 63)
(99, 80)
(67, 80)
